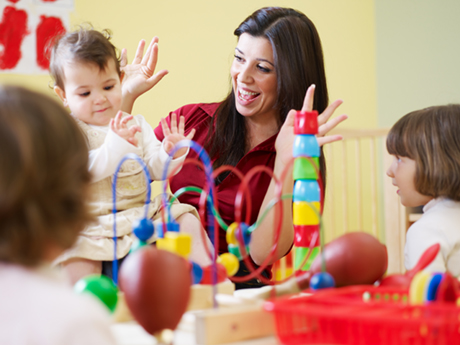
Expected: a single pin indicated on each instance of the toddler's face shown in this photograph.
(93, 95)
(402, 172)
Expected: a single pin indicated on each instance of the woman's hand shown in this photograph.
(139, 77)
(120, 127)
(175, 134)
(285, 139)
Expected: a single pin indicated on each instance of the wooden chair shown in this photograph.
(359, 195)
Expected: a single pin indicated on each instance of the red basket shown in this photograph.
(364, 315)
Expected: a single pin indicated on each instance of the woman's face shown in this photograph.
(254, 78)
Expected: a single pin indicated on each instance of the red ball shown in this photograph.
(355, 258)
(156, 284)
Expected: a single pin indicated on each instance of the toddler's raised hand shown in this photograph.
(120, 127)
(139, 76)
(175, 134)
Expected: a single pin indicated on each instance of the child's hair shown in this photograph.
(44, 176)
(84, 45)
(431, 137)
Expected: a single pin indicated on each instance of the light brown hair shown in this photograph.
(431, 137)
(84, 45)
(44, 176)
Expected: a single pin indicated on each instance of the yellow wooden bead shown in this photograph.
(230, 262)
(231, 233)
(306, 213)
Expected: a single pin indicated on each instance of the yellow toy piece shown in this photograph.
(418, 286)
(306, 213)
(231, 233)
(176, 242)
(230, 262)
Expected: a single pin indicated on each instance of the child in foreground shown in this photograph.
(44, 184)
(86, 71)
(426, 169)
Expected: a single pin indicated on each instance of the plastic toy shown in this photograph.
(101, 287)
(306, 205)
(404, 280)
(355, 258)
(157, 282)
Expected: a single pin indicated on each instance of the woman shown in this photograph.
(278, 61)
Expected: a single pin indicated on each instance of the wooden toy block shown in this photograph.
(201, 295)
(306, 190)
(229, 325)
(122, 312)
(306, 145)
(306, 168)
(305, 213)
(306, 122)
(303, 235)
(176, 242)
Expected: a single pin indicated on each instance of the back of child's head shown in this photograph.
(82, 46)
(431, 137)
(44, 176)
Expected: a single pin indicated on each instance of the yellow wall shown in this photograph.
(417, 56)
(197, 42)
(197, 45)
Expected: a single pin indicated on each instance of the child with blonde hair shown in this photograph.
(86, 71)
(44, 185)
(426, 169)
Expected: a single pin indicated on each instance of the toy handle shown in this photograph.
(427, 257)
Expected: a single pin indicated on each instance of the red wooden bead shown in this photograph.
(306, 122)
(303, 235)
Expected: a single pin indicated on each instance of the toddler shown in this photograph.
(86, 71)
(44, 183)
(426, 169)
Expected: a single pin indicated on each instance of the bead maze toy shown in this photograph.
(152, 278)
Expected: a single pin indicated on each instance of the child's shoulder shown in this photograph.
(46, 299)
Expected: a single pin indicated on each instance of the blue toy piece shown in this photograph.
(321, 280)
(171, 226)
(432, 287)
(244, 230)
(196, 272)
(143, 229)
(305, 145)
(306, 190)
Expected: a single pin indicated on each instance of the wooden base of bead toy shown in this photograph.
(228, 324)
(201, 295)
(234, 320)
(200, 298)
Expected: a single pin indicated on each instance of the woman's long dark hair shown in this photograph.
(299, 62)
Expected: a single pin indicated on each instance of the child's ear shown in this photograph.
(61, 94)
(122, 75)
